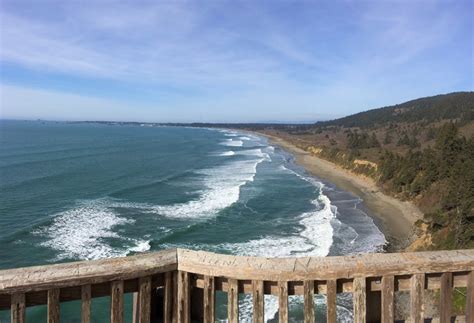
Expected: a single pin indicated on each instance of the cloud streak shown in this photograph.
(229, 53)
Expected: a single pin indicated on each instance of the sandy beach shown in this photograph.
(395, 218)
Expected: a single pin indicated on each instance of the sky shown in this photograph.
(228, 61)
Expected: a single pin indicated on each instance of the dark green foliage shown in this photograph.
(361, 141)
(451, 165)
(459, 105)
(388, 138)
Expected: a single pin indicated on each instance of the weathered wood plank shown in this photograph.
(168, 298)
(258, 301)
(360, 297)
(283, 302)
(470, 298)
(116, 301)
(184, 308)
(233, 301)
(209, 299)
(135, 308)
(446, 293)
(388, 293)
(297, 269)
(86, 303)
(331, 301)
(40, 278)
(144, 299)
(53, 305)
(308, 301)
(18, 307)
(402, 283)
(416, 298)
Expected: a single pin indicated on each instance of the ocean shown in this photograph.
(72, 191)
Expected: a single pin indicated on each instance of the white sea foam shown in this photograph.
(257, 152)
(315, 239)
(227, 153)
(232, 143)
(222, 189)
(141, 246)
(245, 138)
(80, 232)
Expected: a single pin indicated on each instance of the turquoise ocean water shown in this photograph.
(90, 191)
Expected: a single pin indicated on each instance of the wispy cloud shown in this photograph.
(253, 54)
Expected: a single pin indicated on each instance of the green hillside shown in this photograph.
(458, 105)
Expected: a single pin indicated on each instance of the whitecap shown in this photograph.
(232, 143)
(255, 152)
(227, 153)
(80, 232)
(141, 246)
(221, 189)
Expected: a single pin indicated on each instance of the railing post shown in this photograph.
(388, 293)
(209, 299)
(258, 301)
(144, 299)
(116, 301)
(359, 297)
(86, 303)
(417, 285)
(446, 293)
(168, 293)
(17, 308)
(308, 290)
(184, 309)
(331, 286)
(233, 300)
(53, 305)
(283, 302)
(470, 298)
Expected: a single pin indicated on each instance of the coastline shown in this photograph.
(395, 218)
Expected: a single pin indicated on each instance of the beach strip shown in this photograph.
(396, 218)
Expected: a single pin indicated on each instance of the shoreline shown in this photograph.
(396, 219)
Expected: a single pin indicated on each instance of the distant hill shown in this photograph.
(457, 105)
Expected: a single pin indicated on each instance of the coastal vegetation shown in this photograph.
(421, 150)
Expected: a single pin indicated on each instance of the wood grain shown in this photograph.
(18, 308)
(168, 298)
(359, 297)
(283, 302)
(388, 293)
(258, 301)
(209, 299)
(184, 308)
(233, 301)
(331, 301)
(416, 298)
(86, 303)
(308, 301)
(144, 300)
(116, 301)
(53, 305)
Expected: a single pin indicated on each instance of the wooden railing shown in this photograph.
(180, 285)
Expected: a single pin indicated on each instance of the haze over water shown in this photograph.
(90, 191)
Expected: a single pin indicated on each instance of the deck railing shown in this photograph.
(180, 285)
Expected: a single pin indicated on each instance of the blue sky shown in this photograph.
(232, 61)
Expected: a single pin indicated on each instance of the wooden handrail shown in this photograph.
(183, 280)
(323, 268)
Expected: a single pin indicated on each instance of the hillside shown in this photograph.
(421, 150)
(458, 105)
